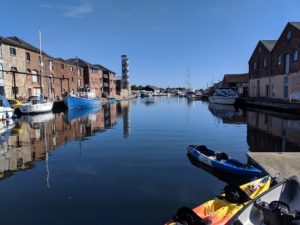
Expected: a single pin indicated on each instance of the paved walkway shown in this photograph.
(286, 163)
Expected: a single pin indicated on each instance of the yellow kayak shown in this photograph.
(223, 207)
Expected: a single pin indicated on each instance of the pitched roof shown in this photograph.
(269, 44)
(236, 78)
(296, 24)
(24, 44)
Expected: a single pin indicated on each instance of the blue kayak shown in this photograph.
(221, 161)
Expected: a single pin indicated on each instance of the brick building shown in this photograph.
(274, 68)
(92, 75)
(59, 75)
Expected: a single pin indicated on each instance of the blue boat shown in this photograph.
(85, 98)
(221, 161)
(76, 114)
(111, 100)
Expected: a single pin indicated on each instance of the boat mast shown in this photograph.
(41, 61)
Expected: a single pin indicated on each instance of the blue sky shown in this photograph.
(162, 38)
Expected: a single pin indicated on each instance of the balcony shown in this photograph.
(105, 76)
(105, 84)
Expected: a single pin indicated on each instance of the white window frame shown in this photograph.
(34, 77)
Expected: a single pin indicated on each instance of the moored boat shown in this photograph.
(280, 205)
(36, 104)
(224, 96)
(221, 161)
(221, 209)
(6, 112)
(85, 97)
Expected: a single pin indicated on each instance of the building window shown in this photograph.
(72, 79)
(12, 51)
(14, 69)
(279, 60)
(254, 66)
(34, 76)
(288, 35)
(259, 50)
(286, 86)
(62, 66)
(265, 63)
(94, 70)
(51, 65)
(71, 68)
(27, 56)
(295, 55)
(273, 90)
(0, 51)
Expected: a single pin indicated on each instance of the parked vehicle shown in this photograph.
(221, 161)
(221, 209)
(224, 96)
(280, 205)
(14, 103)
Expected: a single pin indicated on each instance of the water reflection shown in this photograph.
(267, 131)
(32, 138)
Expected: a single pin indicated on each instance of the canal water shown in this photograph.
(126, 163)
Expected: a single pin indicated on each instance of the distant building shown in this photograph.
(274, 68)
(238, 82)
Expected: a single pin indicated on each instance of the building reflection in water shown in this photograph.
(267, 131)
(32, 138)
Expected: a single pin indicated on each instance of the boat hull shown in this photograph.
(77, 103)
(6, 113)
(229, 166)
(287, 191)
(36, 108)
(222, 100)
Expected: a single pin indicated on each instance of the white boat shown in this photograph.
(6, 112)
(224, 96)
(37, 104)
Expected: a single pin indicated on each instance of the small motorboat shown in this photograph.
(221, 161)
(224, 96)
(36, 104)
(221, 209)
(280, 205)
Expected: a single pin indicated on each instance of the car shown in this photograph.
(14, 103)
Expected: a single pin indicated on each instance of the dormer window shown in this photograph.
(288, 35)
(279, 60)
(295, 55)
(265, 63)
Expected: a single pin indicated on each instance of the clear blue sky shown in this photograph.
(162, 38)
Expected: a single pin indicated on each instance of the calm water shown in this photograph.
(126, 163)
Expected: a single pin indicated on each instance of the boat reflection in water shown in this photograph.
(225, 177)
(267, 131)
(227, 113)
(33, 137)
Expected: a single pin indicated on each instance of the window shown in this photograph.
(279, 60)
(259, 50)
(288, 35)
(14, 69)
(71, 68)
(273, 90)
(62, 66)
(12, 51)
(295, 55)
(51, 65)
(27, 56)
(72, 79)
(265, 63)
(34, 77)
(254, 66)
(94, 70)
